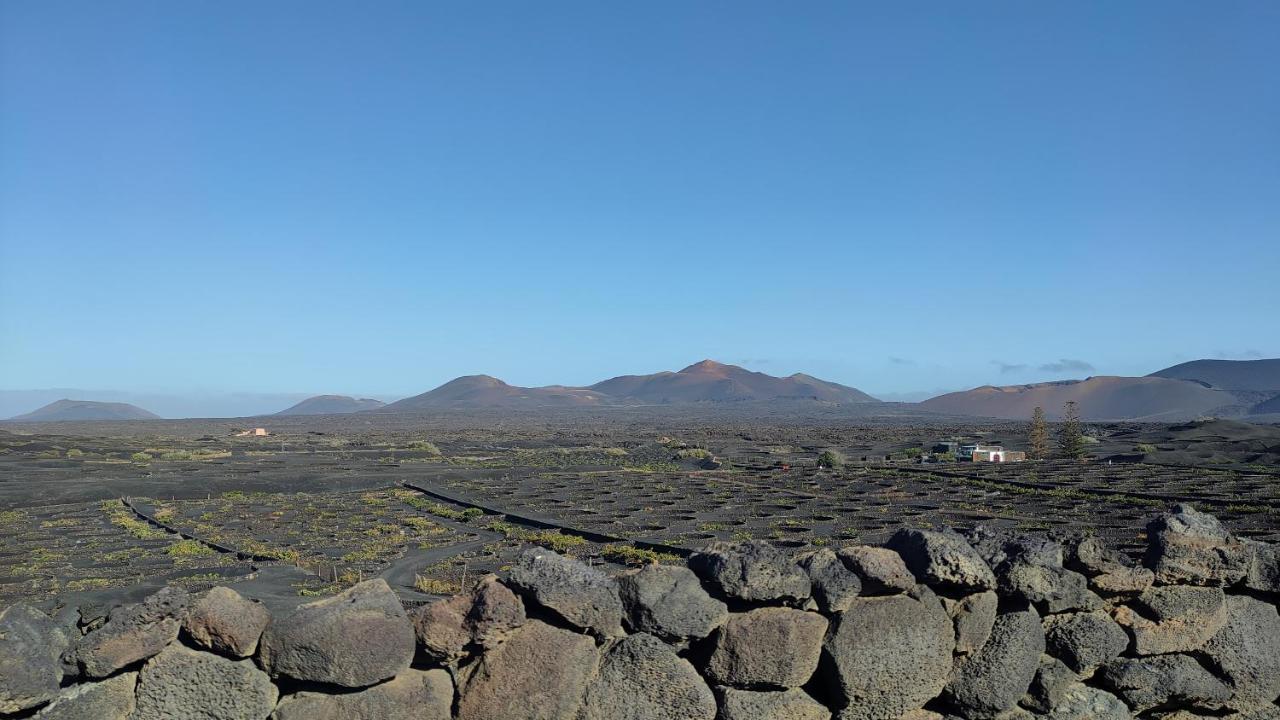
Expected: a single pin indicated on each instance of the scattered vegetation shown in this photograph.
(189, 549)
(831, 459)
(632, 555)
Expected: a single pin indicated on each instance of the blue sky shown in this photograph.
(376, 197)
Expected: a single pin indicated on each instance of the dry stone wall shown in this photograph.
(985, 624)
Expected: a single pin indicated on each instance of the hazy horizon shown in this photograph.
(212, 403)
(322, 198)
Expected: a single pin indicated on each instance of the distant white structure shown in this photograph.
(255, 432)
(990, 453)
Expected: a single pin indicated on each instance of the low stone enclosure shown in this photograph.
(980, 624)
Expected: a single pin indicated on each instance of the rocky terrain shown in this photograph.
(929, 625)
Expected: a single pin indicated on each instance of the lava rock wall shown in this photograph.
(983, 624)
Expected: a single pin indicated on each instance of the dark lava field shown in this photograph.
(98, 513)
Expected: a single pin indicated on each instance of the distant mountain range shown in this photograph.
(1201, 388)
(703, 382)
(68, 410)
(1228, 388)
(332, 405)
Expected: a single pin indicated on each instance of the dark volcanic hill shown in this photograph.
(486, 391)
(706, 381)
(710, 381)
(1155, 399)
(67, 410)
(1254, 380)
(1213, 441)
(332, 405)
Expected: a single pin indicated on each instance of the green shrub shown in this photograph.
(189, 549)
(1145, 448)
(631, 555)
(831, 459)
(75, 453)
(553, 540)
(426, 447)
(141, 458)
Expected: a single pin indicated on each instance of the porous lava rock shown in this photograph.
(132, 633)
(880, 570)
(753, 571)
(669, 602)
(411, 695)
(584, 597)
(1084, 640)
(994, 678)
(942, 559)
(833, 585)
(441, 628)
(184, 683)
(767, 647)
(1174, 618)
(1191, 547)
(1160, 680)
(889, 655)
(354, 639)
(1246, 652)
(539, 673)
(792, 704)
(973, 615)
(31, 645)
(225, 622)
(642, 678)
(110, 699)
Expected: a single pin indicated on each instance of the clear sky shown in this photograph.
(376, 197)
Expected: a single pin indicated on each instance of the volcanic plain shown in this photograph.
(98, 513)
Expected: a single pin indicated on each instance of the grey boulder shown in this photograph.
(539, 673)
(1050, 685)
(834, 586)
(880, 570)
(495, 612)
(1188, 546)
(31, 645)
(994, 678)
(132, 633)
(974, 615)
(1109, 571)
(1051, 589)
(942, 559)
(411, 695)
(354, 639)
(1246, 651)
(1264, 567)
(1174, 618)
(111, 699)
(642, 678)
(889, 655)
(584, 597)
(441, 628)
(669, 602)
(185, 683)
(1082, 702)
(753, 571)
(1084, 640)
(793, 704)
(1161, 680)
(223, 621)
(768, 647)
